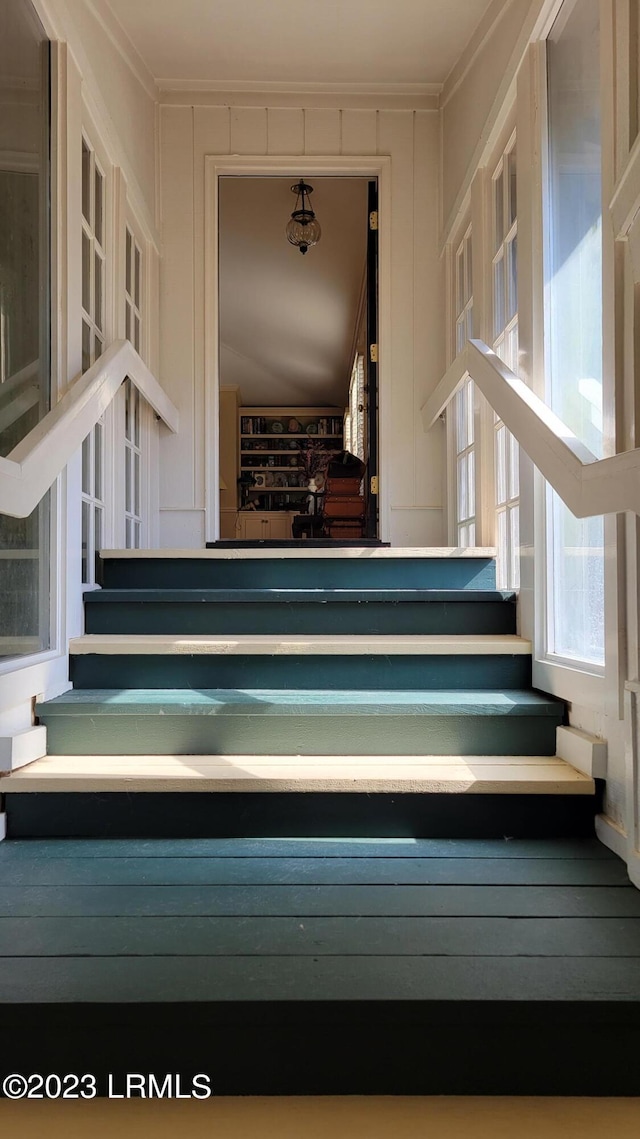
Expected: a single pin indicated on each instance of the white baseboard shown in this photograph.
(21, 748)
(586, 753)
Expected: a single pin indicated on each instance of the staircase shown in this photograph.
(302, 826)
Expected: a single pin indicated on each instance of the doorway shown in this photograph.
(297, 360)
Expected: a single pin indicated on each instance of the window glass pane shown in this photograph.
(514, 547)
(127, 480)
(98, 345)
(577, 628)
(97, 460)
(469, 411)
(512, 209)
(86, 540)
(514, 466)
(463, 498)
(128, 263)
(460, 300)
(498, 209)
(127, 321)
(128, 532)
(574, 305)
(98, 290)
(86, 465)
(461, 427)
(498, 297)
(86, 274)
(98, 514)
(512, 279)
(501, 465)
(468, 251)
(502, 553)
(86, 182)
(136, 481)
(136, 334)
(99, 191)
(86, 346)
(137, 280)
(460, 335)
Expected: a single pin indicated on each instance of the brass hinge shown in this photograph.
(373, 353)
(373, 485)
(373, 219)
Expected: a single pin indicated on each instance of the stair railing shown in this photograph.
(32, 467)
(587, 485)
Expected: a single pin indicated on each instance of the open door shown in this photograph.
(371, 385)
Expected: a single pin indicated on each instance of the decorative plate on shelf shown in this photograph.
(276, 428)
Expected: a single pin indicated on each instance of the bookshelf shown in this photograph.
(269, 454)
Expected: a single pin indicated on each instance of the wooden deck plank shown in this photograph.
(303, 901)
(360, 936)
(302, 871)
(27, 849)
(161, 644)
(372, 979)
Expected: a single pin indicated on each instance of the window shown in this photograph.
(504, 276)
(573, 279)
(132, 401)
(93, 339)
(354, 418)
(463, 440)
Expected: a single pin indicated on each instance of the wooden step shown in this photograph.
(365, 567)
(489, 775)
(156, 644)
(309, 721)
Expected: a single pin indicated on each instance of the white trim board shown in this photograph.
(240, 553)
(292, 645)
(537, 775)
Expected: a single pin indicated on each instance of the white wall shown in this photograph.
(411, 138)
(473, 94)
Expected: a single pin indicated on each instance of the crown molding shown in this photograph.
(395, 96)
(110, 24)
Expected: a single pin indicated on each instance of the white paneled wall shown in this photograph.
(411, 490)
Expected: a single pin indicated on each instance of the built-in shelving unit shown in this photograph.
(271, 439)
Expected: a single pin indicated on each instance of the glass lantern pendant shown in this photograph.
(303, 228)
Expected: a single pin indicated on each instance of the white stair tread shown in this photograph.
(299, 644)
(339, 554)
(449, 774)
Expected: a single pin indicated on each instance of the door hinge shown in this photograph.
(373, 219)
(373, 353)
(373, 485)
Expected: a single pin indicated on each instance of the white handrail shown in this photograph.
(587, 485)
(33, 466)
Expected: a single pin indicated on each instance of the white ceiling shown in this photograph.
(299, 41)
(287, 320)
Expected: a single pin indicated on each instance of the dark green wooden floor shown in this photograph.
(521, 940)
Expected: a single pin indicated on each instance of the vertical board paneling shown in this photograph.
(211, 130)
(428, 307)
(285, 130)
(248, 130)
(395, 138)
(177, 303)
(322, 130)
(359, 132)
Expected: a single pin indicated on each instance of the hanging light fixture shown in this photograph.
(303, 228)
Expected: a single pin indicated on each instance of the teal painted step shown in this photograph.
(364, 572)
(271, 722)
(299, 611)
(180, 670)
